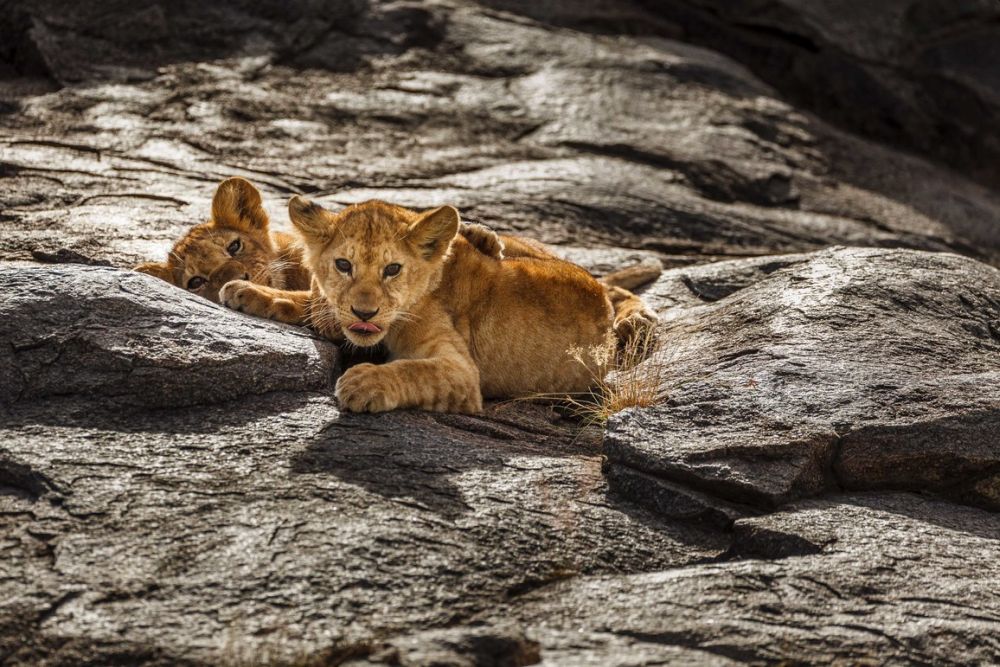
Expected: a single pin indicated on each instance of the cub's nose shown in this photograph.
(364, 314)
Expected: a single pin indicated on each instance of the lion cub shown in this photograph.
(234, 244)
(458, 325)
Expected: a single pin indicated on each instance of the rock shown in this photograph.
(120, 41)
(888, 579)
(150, 522)
(472, 647)
(178, 487)
(133, 340)
(914, 73)
(793, 376)
(574, 138)
(276, 526)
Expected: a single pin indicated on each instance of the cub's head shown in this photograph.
(234, 244)
(374, 261)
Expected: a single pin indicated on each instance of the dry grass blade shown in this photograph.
(632, 375)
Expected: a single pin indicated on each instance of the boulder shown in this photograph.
(571, 137)
(177, 486)
(133, 340)
(916, 73)
(793, 376)
(884, 578)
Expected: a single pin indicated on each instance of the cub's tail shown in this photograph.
(633, 276)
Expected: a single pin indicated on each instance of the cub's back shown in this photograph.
(521, 317)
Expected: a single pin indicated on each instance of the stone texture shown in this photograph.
(844, 369)
(278, 527)
(576, 138)
(887, 579)
(177, 486)
(134, 340)
(260, 524)
(915, 73)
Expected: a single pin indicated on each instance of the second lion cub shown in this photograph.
(457, 324)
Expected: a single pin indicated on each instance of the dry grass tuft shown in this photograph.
(631, 376)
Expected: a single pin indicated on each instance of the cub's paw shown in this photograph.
(245, 297)
(483, 239)
(365, 388)
(635, 326)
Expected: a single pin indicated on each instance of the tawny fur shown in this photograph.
(632, 319)
(458, 325)
(271, 259)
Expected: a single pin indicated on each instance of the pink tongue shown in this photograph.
(364, 327)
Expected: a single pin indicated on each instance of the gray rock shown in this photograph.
(574, 138)
(916, 73)
(460, 647)
(177, 485)
(844, 369)
(143, 520)
(886, 579)
(133, 340)
(277, 527)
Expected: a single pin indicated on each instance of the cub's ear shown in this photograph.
(161, 270)
(434, 231)
(311, 219)
(237, 204)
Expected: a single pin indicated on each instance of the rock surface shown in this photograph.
(134, 340)
(916, 73)
(271, 524)
(177, 485)
(798, 375)
(888, 579)
(574, 137)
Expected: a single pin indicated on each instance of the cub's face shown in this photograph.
(373, 261)
(234, 245)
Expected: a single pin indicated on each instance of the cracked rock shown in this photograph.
(892, 578)
(843, 369)
(178, 487)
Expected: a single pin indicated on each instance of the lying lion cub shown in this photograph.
(458, 324)
(235, 243)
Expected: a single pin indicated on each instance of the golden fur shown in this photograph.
(632, 318)
(206, 254)
(458, 324)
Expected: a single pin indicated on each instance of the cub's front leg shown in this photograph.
(442, 378)
(426, 384)
(244, 296)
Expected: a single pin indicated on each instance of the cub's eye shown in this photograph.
(391, 270)
(343, 266)
(196, 282)
(234, 247)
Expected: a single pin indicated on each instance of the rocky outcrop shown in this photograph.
(883, 578)
(274, 527)
(914, 73)
(130, 339)
(572, 137)
(794, 376)
(258, 522)
(178, 486)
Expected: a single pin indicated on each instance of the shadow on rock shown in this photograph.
(413, 456)
(121, 41)
(105, 417)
